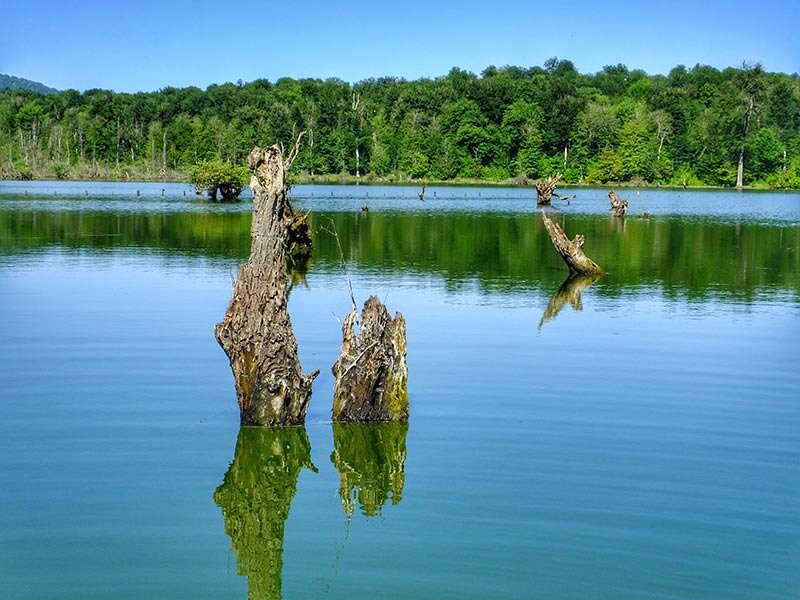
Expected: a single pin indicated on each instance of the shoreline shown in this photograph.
(339, 180)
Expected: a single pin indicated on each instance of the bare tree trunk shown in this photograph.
(740, 170)
(570, 250)
(371, 373)
(256, 332)
(545, 189)
(618, 205)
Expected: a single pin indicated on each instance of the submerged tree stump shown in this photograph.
(545, 189)
(618, 205)
(570, 250)
(371, 373)
(256, 332)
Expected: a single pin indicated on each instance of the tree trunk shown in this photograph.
(545, 189)
(740, 170)
(371, 373)
(256, 332)
(570, 250)
(618, 205)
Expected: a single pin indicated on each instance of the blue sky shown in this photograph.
(146, 45)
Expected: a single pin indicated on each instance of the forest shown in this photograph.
(693, 127)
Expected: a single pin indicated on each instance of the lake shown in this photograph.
(637, 436)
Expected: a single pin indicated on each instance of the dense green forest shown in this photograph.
(692, 127)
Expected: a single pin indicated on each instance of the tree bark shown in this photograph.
(371, 372)
(618, 205)
(256, 332)
(545, 189)
(570, 250)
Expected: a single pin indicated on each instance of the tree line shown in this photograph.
(697, 126)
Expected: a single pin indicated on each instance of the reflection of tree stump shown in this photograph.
(545, 189)
(370, 458)
(371, 373)
(618, 205)
(570, 250)
(255, 498)
(569, 292)
(256, 332)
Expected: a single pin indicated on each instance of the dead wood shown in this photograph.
(545, 189)
(570, 250)
(618, 205)
(569, 292)
(256, 332)
(371, 372)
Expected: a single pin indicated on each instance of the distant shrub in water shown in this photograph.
(218, 177)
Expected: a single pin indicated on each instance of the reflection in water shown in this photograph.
(569, 291)
(685, 256)
(255, 498)
(370, 458)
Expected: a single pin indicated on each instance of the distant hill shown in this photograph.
(18, 83)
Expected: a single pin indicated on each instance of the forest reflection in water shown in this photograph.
(258, 489)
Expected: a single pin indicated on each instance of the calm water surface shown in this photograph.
(637, 436)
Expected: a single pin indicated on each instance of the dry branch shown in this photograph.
(545, 189)
(570, 250)
(618, 205)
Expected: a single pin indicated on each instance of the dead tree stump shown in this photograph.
(618, 205)
(256, 332)
(570, 250)
(371, 373)
(545, 189)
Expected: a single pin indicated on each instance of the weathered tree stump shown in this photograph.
(255, 498)
(371, 373)
(545, 189)
(569, 292)
(370, 458)
(618, 205)
(256, 332)
(570, 250)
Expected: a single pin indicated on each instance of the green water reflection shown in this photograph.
(255, 498)
(370, 458)
(687, 257)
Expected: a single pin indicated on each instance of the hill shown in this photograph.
(18, 83)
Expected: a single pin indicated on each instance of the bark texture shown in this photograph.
(371, 373)
(618, 205)
(545, 189)
(256, 332)
(570, 250)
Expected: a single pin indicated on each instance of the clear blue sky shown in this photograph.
(146, 45)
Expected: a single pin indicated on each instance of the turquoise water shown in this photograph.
(640, 442)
